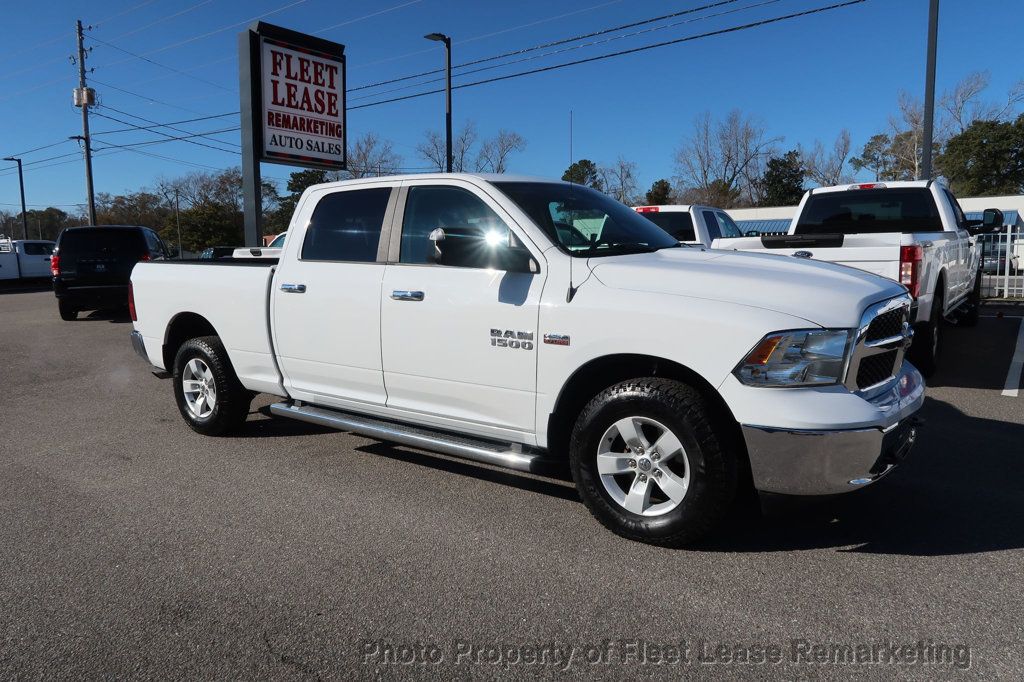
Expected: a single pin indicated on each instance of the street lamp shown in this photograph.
(21, 181)
(440, 37)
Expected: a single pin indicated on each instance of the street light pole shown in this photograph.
(21, 181)
(929, 91)
(440, 37)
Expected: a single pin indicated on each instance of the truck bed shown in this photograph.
(231, 293)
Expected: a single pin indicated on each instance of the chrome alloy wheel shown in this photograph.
(643, 466)
(199, 388)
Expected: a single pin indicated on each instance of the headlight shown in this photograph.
(807, 357)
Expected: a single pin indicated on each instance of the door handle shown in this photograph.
(293, 288)
(401, 295)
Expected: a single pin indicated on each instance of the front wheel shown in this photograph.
(651, 463)
(210, 398)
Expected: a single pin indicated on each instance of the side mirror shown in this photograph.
(436, 236)
(991, 221)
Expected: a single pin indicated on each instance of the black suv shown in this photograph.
(92, 266)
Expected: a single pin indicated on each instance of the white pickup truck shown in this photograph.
(692, 223)
(913, 232)
(461, 314)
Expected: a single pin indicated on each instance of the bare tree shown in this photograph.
(827, 167)
(619, 180)
(494, 151)
(963, 104)
(433, 148)
(723, 161)
(371, 156)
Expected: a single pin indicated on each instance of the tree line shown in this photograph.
(729, 162)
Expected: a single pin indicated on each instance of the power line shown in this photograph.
(158, 125)
(162, 66)
(147, 143)
(36, 149)
(581, 46)
(368, 16)
(162, 19)
(145, 97)
(171, 138)
(130, 148)
(552, 43)
(620, 53)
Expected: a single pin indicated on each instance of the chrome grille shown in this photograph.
(881, 341)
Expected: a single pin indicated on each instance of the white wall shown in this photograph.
(969, 204)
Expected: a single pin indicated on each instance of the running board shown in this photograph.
(510, 456)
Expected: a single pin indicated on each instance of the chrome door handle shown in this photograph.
(400, 295)
(293, 288)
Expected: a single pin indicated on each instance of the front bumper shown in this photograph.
(829, 461)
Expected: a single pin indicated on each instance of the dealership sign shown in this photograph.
(294, 97)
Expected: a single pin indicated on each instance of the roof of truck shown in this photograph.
(879, 184)
(486, 177)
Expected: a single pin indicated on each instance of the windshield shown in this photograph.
(584, 222)
(864, 211)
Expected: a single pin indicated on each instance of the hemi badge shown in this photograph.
(557, 339)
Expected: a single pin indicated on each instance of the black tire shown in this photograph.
(972, 309)
(231, 399)
(67, 313)
(927, 346)
(712, 465)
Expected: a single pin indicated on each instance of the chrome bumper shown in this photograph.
(140, 346)
(825, 462)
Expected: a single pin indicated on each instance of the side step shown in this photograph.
(510, 456)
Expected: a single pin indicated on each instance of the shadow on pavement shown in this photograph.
(25, 286)
(961, 491)
(113, 316)
(977, 357)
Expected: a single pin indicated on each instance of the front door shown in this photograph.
(326, 301)
(459, 338)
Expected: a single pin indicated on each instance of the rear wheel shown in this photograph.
(924, 353)
(67, 313)
(649, 462)
(210, 398)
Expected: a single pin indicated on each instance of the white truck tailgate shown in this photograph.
(876, 253)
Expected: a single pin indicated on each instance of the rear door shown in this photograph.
(35, 259)
(326, 298)
(459, 340)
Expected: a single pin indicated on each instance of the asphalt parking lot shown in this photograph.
(131, 546)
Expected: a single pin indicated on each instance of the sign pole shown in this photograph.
(252, 184)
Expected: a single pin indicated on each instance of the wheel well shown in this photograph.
(599, 374)
(182, 327)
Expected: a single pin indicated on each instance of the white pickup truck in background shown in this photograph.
(465, 314)
(912, 232)
(692, 223)
(25, 258)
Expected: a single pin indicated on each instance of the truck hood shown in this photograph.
(821, 293)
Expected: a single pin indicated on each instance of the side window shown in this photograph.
(714, 231)
(471, 228)
(153, 244)
(37, 249)
(346, 226)
(727, 226)
(961, 219)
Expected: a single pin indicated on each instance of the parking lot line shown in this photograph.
(1012, 387)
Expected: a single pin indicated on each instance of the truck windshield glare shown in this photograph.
(584, 222)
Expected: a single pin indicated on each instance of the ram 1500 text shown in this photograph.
(459, 313)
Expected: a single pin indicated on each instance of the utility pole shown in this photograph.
(85, 97)
(929, 91)
(21, 182)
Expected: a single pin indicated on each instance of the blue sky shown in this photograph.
(804, 79)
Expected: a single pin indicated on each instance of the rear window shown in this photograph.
(107, 242)
(346, 226)
(865, 211)
(37, 249)
(679, 224)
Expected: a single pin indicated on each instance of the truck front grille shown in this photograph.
(881, 341)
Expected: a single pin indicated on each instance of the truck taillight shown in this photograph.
(131, 302)
(868, 185)
(55, 265)
(145, 256)
(910, 268)
(648, 209)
